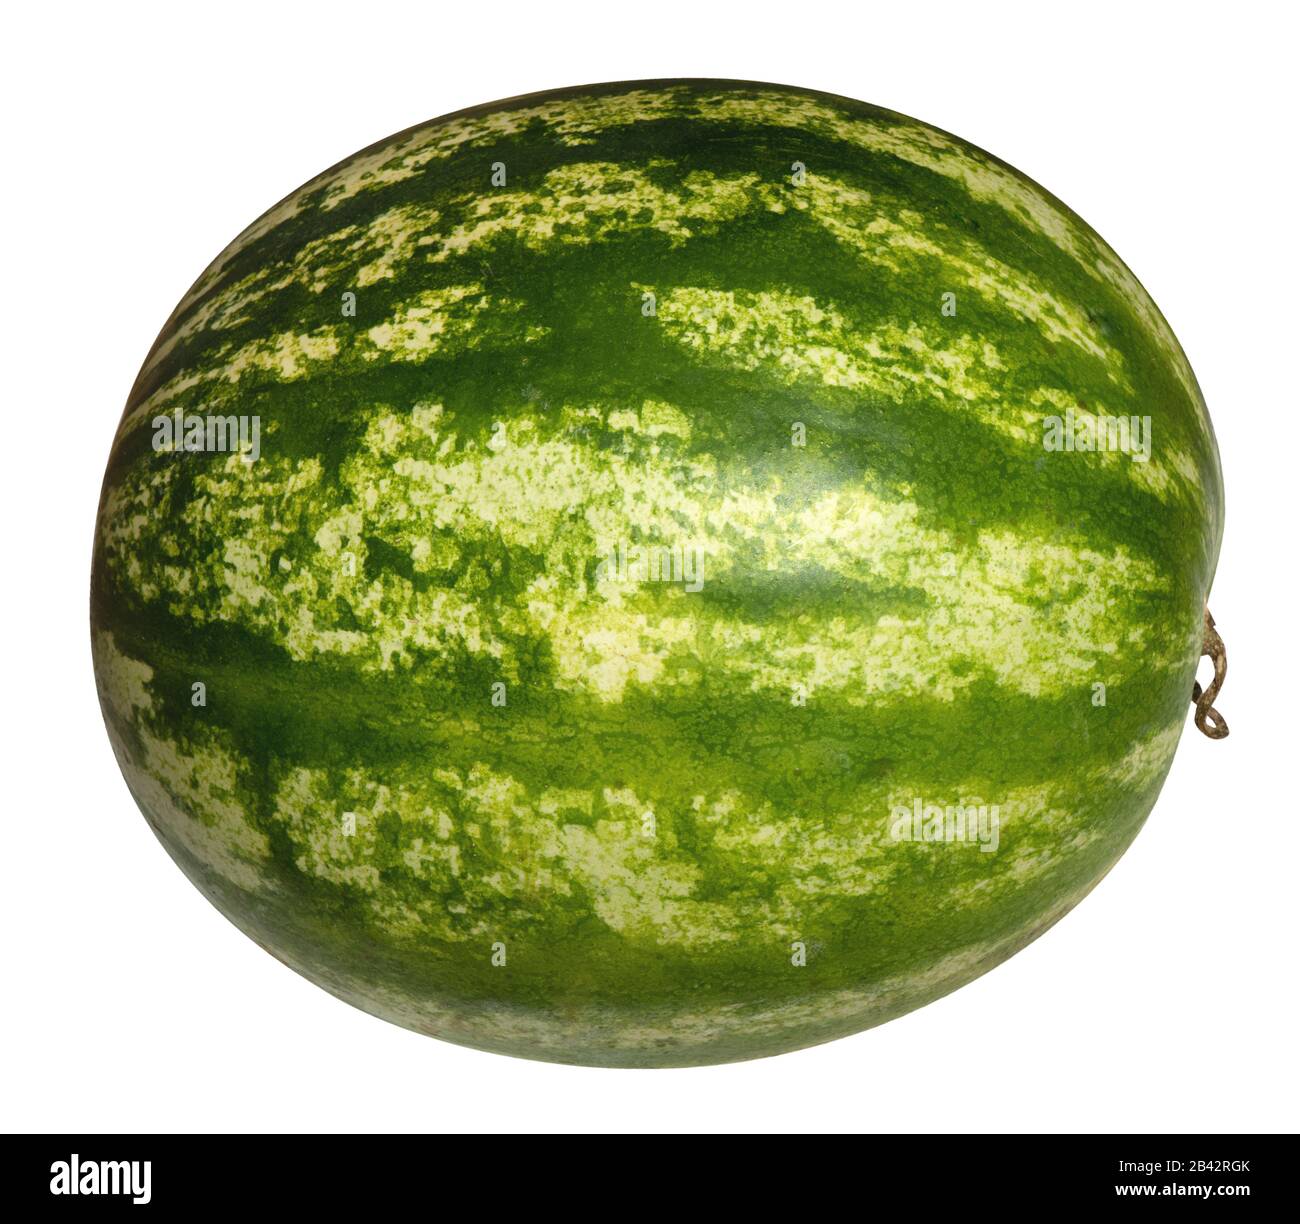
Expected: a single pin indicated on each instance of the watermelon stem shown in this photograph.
(1208, 720)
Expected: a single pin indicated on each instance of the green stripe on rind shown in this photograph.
(916, 603)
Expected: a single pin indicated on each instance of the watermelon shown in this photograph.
(656, 573)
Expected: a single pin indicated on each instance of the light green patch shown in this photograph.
(794, 338)
(798, 339)
(592, 201)
(883, 233)
(287, 357)
(1147, 762)
(354, 258)
(434, 322)
(189, 787)
(428, 322)
(684, 1034)
(1112, 269)
(267, 223)
(510, 855)
(123, 682)
(571, 121)
(980, 620)
(1169, 473)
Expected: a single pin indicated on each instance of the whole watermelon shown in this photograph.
(656, 573)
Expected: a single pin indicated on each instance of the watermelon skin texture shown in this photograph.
(452, 764)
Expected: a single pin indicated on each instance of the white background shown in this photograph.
(140, 139)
